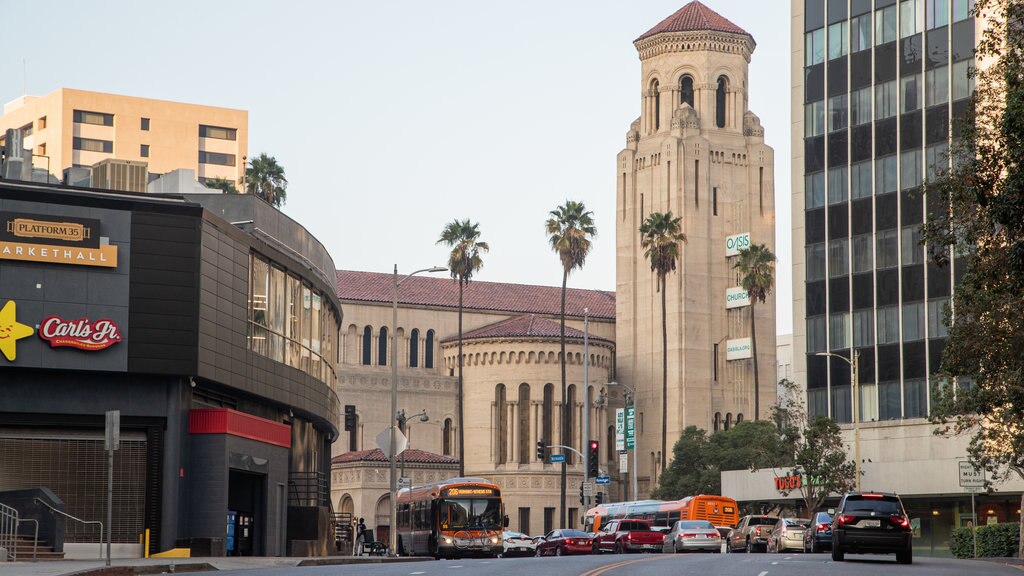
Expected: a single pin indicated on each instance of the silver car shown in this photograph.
(693, 535)
(788, 534)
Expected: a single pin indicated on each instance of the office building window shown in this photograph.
(910, 17)
(910, 90)
(885, 100)
(910, 169)
(816, 334)
(93, 145)
(814, 190)
(97, 118)
(837, 41)
(837, 113)
(145, 124)
(837, 192)
(860, 33)
(838, 329)
(889, 400)
(962, 9)
(885, 25)
(41, 123)
(885, 174)
(864, 328)
(816, 262)
(216, 158)
(860, 106)
(936, 13)
(837, 262)
(862, 253)
(913, 321)
(860, 180)
(887, 248)
(888, 325)
(936, 160)
(936, 318)
(915, 398)
(963, 83)
(913, 251)
(144, 150)
(814, 47)
(936, 82)
(217, 132)
(814, 119)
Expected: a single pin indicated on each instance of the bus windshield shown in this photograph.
(471, 514)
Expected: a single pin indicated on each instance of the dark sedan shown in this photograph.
(818, 535)
(564, 542)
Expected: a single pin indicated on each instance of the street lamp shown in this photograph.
(856, 406)
(393, 536)
(631, 400)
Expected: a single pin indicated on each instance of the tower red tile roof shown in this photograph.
(694, 17)
(412, 456)
(477, 295)
(526, 326)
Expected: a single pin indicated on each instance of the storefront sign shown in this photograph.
(736, 297)
(81, 333)
(11, 330)
(54, 239)
(735, 243)
(789, 483)
(738, 349)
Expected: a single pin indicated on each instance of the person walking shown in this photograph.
(360, 536)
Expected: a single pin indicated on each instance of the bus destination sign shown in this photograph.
(468, 491)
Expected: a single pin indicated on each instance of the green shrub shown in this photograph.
(994, 540)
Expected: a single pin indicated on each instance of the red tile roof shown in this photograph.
(412, 456)
(527, 326)
(694, 17)
(495, 296)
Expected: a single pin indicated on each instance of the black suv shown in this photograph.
(873, 523)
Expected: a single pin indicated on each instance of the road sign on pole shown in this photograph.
(970, 477)
(556, 458)
(620, 429)
(624, 463)
(630, 427)
(603, 480)
(588, 488)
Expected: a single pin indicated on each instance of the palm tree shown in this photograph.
(225, 186)
(757, 266)
(661, 236)
(464, 261)
(264, 177)
(570, 228)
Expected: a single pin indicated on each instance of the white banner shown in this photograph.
(738, 349)
(736, 297)
(620, 429)
(624, 463)
(735, 243)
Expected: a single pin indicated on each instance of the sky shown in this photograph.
(391, 118)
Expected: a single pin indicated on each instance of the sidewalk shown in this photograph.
(131, 566)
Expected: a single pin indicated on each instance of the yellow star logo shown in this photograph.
(11, 330)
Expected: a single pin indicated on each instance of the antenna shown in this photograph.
(24, 77)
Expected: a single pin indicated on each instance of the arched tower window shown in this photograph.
(686, 89)
(382, 347)
(428, 356)
(524, 424)
(500, 424)
(728, 420)
(739, 417)
(547, 412)
(446, 438)
(718, 421)
(657, 104)
(367, 346)
(570, 421)
(414, 348)
(720, 92)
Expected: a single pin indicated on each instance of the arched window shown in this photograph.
(428, 360)
(382, 347)
(728, 420)
(383, 512)
(739, 418)
(723, 86)
(570, 421)
(414, 348)
(367, 346)
(446, 438)
(547, 414)
(686, 89)
(524, 423)
(718, 421)
(657, 104)
(500, 424)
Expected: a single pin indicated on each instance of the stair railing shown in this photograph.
(79, 520)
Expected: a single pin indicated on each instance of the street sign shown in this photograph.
(588, 488)
(404, 482)
(620, 429)
(970, 477)
(112, 440)
(603, 480)
(630, 428)
(384, 442)
(556, 458)
(623, 463)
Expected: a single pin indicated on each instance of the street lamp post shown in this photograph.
(856, 406)
(393, 488)
(631, 396)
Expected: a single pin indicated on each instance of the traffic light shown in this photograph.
(593, 453)
(350, 417)
(583, 500)
(599, 498)
(541, 448)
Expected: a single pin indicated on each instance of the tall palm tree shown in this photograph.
(264, 177)
(570, 229)
(661, 236)
(757, 266)
(463, 237)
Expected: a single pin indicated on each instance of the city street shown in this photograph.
(660, 565)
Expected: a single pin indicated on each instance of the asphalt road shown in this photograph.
(659, 565)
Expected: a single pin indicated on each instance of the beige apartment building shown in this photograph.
(67, 128)
(698, 151)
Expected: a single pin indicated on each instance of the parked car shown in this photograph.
(751, 533)
(517, 544)
(628, 536)
(872, 523)
(687, 535)
(788, 534)
(818, 535)
(564, 542)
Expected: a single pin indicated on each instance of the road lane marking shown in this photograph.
(411, 573)
(763, 573)
(599, 571)
(775, 563)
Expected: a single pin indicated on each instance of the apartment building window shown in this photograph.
(864, 328)
(860, 106)
(216, 158)
(145, 124)
(862, 253)
(885, 25)
(910, 169)
(936, 82)
(93, 145)
(839, 325)
(41, 150)
(837, 41)
(860, 176)
(814, 190)
(888, 325)
(963, 83)
(910, 17)
(888, 249)
(144, 150)
(218, 132)
(816, 262)
(885, 174)
(885, 100)
(910, 88)
(962, 9)
(936, 158)
(936, 318)
(837, 190)
(814, 119)
(837, 113)
(97, 118)
(913, 251)
(41, 123)
(837, 261)
(913, 321)
(860, 33)
(936, 13)
(814, 47)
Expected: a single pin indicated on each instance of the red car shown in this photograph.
(562, 542)
(620, 536)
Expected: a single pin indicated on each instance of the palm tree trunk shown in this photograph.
(664, 376)
(462, 420)
(565, 411)
(753, 346)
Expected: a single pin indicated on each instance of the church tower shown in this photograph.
(698, 151)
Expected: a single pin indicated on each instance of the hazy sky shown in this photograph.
(391, 118)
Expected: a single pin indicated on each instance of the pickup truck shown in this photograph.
(620, 536)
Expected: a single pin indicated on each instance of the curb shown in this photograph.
(141, 570)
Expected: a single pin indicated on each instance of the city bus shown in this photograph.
(452, 518)
(719, 510)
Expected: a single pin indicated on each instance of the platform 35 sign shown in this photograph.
(54, 239)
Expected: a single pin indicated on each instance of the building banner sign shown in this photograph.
(54, 239)
(736, 298)
(81, 333)
(620, 429)
(630, 428)
(738, 349)
(735, 243)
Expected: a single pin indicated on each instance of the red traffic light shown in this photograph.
(593, 444)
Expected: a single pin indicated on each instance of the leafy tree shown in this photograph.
(570, 229)
(752, 445)
(264, 177)
(661, 235)
(463, 237)
(225, 186)
(976, 219)
(694, 468)
(757, 267)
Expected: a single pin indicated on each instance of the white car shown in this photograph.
(518, 544)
